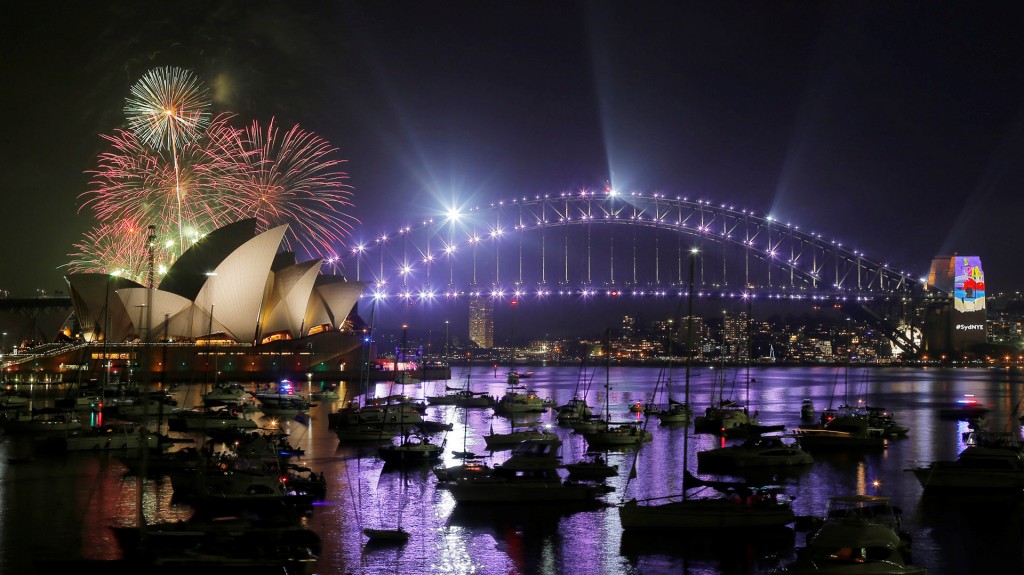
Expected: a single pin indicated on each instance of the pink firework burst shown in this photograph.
(118, 248)
(292, 178)
(134, 182)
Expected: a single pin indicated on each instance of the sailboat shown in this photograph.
(610, 434)
(737, 506)
(415, 448)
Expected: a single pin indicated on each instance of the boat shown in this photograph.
(591, 466)
(208, 419)
(608, 434)
(720, 417)
(529, 475)
(329, 393)
(42, 421)
(848, 428)
(13, 400)
(965, 409)
(577, 409)
(519, 400)
(676, 412)
(884, 420)
(757, 451)
(501, 441)
(414, 449)
(220, 394)
(993, 461)
(397, 535)
(859, 534)
(735, 507)
(283, 401)
(113, 436)
(289, 546)
(806, 410)
(470, 467)
(462, 398)
(731, 507)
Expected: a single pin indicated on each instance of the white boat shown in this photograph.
(993, 461)
(760, 451)
(859, 535)
(287, 404)
(676, 412)
(519, 400)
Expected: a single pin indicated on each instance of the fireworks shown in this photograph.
(292, 178)
(133, 181)
(119, 248)
(168, 108)
(187, 174)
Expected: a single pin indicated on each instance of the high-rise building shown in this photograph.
(481, 322)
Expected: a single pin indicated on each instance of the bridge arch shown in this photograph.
(601, 240)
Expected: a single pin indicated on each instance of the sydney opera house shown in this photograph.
(233, 306)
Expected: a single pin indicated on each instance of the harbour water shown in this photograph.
(62, 506)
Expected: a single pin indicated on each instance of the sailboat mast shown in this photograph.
(689, 361)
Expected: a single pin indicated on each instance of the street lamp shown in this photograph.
(446, 322)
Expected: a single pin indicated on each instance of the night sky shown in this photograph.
(893, 127)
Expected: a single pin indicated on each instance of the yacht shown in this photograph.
(859, 534)
(847, 428)
(529, 475)
(991, 461)
(735, 506)
(758, 451)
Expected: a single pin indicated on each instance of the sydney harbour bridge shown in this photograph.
(589, 245)
(593, 245)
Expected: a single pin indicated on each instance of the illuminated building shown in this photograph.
(481, 322)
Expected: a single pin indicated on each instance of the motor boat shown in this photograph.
(859, 534)
(758, 451)
(991, 461)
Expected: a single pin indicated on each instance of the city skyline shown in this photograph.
(893, 128)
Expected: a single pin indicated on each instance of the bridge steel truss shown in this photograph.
(593, 243)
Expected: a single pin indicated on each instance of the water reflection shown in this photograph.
(63, 505)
